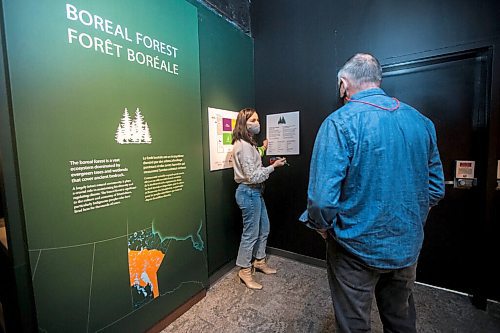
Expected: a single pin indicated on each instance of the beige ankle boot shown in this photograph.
(246, 277)
(261, 265)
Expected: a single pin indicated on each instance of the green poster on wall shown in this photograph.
(106, 108)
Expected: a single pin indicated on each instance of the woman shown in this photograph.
(250, 174)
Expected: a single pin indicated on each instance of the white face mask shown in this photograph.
(253, 128)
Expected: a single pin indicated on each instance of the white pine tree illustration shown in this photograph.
(119, 137)
(123, 131)
(124, 134)
(126, 122)
(133, 134)
(146, 134)
(133, 131)
(138, 126)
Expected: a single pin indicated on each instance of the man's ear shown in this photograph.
(342, 88)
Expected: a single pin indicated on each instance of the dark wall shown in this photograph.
(236, 11)
(15, 287)
(299, 47)
(395, 29)
(294, 71)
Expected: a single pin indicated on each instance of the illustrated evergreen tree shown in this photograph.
(123, 131)
(133, 130)
(119, 136)
(138, 126)
(146, 134)
(133, 133)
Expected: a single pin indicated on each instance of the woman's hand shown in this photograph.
(279, 162)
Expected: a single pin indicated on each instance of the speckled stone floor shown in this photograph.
(297, 299)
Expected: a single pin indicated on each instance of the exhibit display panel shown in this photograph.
(227, 83)
(106, 109)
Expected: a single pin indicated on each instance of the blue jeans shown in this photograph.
(255, 225)
(353, 286)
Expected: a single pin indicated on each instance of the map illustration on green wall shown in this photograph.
(146, 251)
(106, 109)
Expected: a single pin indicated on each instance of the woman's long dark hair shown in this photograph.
(240, 131)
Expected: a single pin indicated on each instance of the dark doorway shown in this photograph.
(453, 91)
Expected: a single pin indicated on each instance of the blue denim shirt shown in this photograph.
(374, 175)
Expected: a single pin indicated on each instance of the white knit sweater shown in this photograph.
(247, 164)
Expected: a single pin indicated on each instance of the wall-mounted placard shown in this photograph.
(220, 130)
(283, 132)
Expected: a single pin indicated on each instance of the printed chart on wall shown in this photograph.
(283, 133)
(106, 108)
(220, 131)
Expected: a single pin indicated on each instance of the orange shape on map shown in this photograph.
(147, 261)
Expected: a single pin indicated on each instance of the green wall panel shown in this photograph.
(227, 82)
(123, 245)
(110, 264)
(67, 101)
(65, 271)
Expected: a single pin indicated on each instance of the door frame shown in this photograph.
(484, 283)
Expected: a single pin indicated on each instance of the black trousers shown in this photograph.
(353, 286)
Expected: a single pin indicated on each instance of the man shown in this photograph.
(375, 174)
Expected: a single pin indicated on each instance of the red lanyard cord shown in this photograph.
(375, 105)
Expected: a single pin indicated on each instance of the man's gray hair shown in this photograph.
(361, 68)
